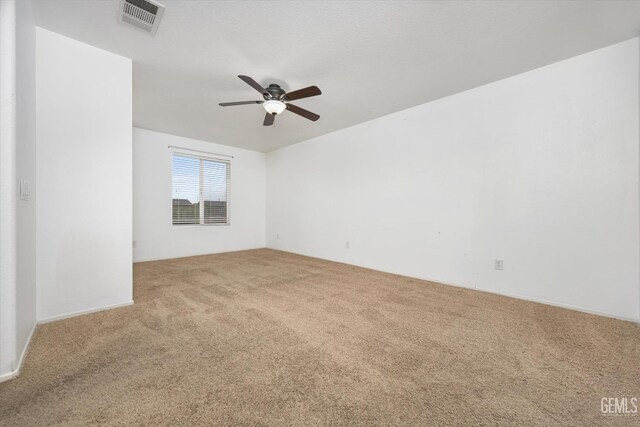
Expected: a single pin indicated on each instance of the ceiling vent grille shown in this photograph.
(144, 14)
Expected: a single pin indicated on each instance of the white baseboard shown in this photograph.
(536, 300)
(8, 376)
(137, 260)
(13, 374)
(475, 288)
(567, 306)
(540, 301)
(26, 348)
(82, 312)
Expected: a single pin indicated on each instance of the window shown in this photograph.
(200, 190)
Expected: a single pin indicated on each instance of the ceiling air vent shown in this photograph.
(144, 14)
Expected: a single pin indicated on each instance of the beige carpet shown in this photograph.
(270, 338)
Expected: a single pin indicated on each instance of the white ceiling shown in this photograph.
(369, 58)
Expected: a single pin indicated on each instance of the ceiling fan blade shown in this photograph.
(302, 112)
(229, 104)
(254, 84)
(304, 93)
(268, 119)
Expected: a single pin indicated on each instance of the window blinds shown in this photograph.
(200, 190)
(214, 182)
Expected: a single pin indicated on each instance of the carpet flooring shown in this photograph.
(264, 337)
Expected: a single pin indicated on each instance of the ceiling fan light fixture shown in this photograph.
(274, 107)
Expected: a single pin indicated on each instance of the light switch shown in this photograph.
(24, 190)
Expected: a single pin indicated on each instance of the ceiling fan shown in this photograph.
(276, 100)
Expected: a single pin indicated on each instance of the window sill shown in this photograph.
(200, 225)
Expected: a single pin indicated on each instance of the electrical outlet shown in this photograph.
(346, 244)
(134, 244)
(498, 264)
(278, 236)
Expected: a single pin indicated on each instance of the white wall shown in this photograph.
(84, 177)
(155, 236)
(26, 171)
(18, 162)
(8, 143)
(540, 170)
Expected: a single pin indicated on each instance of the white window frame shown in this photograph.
(201, 189)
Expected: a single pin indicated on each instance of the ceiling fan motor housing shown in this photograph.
(274, 91)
